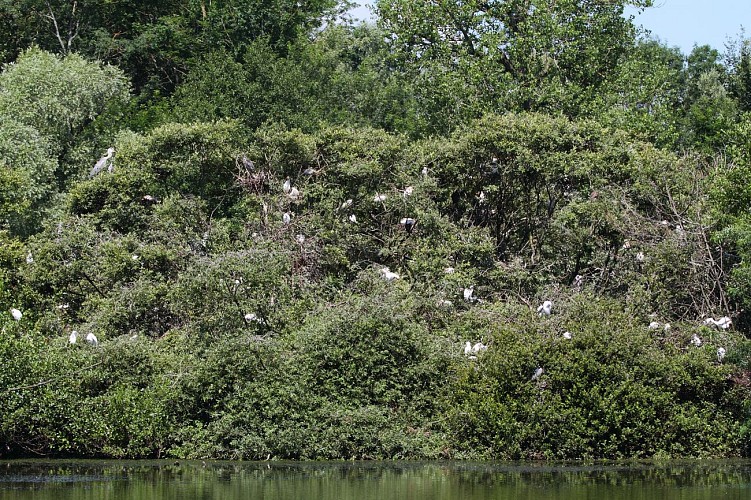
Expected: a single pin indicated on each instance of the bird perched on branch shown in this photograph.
(545, 309)
(387, 274)
(91, 339)
(102, 163)
(17, 315)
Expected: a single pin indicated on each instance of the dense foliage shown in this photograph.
(301, 224)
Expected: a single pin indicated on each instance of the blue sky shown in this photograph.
(679, 22)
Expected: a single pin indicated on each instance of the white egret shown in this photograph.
(720, 354)
(449, 270)
(310, 171)
(17, 315)
(379, 198)
(91, 339)
(640, 257)
(481, 196)
(709, 322)
(695, 340)
(545, 309)
(286, 218)
(724, 323)
(578, 281)
(387, 274)
(538, 373)
(408, 191)
(666, 327)
(29, 258)
(102, 163)
(287, 186)
(424, 171)
(654, 325)
(300, 239)
(73, 337)
(346, 204)
(352, 218)
(446, 303)
(252, 317)
(567, 335)
(469, 294)
(479, 347)
(135, 257)
(468, 348)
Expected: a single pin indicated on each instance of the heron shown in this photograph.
(286, 186)
(449, 270)
(695, 340)
(545, 309)
(470, 349)
(252, 317)
(352, 218)
(640, 257)
(149, 200)
(29, 258)
(720, 354)
(248, 164)
(100, 165)
(73, 337)
(408, 191)
(481, 196)
(379, 198)
(346, 204)
(408, 223)
(567, 335)
(469, 294)
(654, 325)
(666, 327)
(446, 303)
(387, 274)
(538, 373)
(91, 339)
(424, 171)
(286, 218)
(17, 315)
(300, 239)
(310, 171)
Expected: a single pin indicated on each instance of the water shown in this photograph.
(158, 480)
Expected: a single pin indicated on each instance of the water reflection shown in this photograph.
(373, 480)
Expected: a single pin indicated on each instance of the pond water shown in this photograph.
(157, 480)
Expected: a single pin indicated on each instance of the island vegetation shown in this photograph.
(315, 239)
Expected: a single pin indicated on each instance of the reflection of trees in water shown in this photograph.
(272, 480)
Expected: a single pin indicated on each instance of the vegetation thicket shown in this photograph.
(318, 240)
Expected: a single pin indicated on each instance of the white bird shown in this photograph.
(449, 270)
(286, 218)
(567, 335)
(640, 257)
(310, 171)
(99, 166)
(300, 239)
(91, 339)
(287, 186)
(666, 327)
(720, 354)
(424, 171)
(538, 373)
(134, 257)
(29, 258)
(545, 308)
(252, 317)
(470, 349)
(379, 198)
(446, 303)
(695, 340)
(469, 294)
(408, 191)
(352, 218)
(481, 196)
(346, 204)
(16, 314)
(710, 322)
(388, 275)
(724, 323)
(73, 337)
(654, 325)
(293, 194)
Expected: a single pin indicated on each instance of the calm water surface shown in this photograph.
(159, 480)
